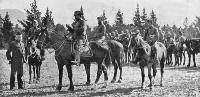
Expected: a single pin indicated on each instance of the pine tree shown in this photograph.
(33, 21)
(119, 18)
(144, 15)
(48, 22)
(7, 29)
(136, 18)
(185, 23)
(153, 19)
(1, 22)
(119, 26)
(1, 34)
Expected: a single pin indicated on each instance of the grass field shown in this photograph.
(178, 81)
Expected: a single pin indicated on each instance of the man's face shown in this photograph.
(19, 37)
(99, 20)
(77, 17)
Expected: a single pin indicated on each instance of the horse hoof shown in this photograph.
(119, 81)
(71, 88)
(188, 66)
(29, 82)
(93, 89)
(195, 66)
(161, 85)
(112, 81)
(59, 87)
(87, 83)
(104, 86)
(150, 88)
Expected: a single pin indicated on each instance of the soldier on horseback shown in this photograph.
(151, 36)
(78, 30)
(101, 30)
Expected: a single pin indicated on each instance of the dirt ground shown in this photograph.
(178, 82)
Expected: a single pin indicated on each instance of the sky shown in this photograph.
(167, 11)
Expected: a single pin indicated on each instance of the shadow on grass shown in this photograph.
(189, 70)
(123, 91)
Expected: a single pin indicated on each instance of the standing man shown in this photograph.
(17, 60)
(78, 30)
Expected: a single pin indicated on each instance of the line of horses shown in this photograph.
(116, 55)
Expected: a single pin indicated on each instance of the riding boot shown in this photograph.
(77, 59)
(77, 56)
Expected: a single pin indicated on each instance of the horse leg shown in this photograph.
(143, 75)
(154, 71)
(120, 69)
(171, 61)
(69, 70)
(60, 68)
(99, 72)
(180, 58)
(37, 72)
(194, 60)
(189, 56)
(30, 73)
(162, 64)
(115, 71)
(87, 69)
(184, 58)
(105, 76)
(34, 71)
(149, 66)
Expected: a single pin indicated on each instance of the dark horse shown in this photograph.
(34, 59)
(63, 47)
(192, 49)
(149, 58)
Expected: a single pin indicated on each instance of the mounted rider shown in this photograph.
(151, 36)
(101, 30)
(78, 30)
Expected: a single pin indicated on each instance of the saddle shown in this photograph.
(84, 49)
(103, 44)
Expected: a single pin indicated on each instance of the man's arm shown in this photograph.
(8, 53)
(71, 30)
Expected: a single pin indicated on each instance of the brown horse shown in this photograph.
(148, 57)
(63, 47)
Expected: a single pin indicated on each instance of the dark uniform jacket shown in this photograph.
(79, 29)
(18, 52)
(150, 32)
(101, 31)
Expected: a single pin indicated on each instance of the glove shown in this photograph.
(10, 62)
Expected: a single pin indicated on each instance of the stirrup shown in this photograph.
(75, 63)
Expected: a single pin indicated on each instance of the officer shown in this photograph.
(101, 30)
(79, 31)
(17, 59)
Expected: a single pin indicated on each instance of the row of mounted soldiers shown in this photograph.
(78, 27)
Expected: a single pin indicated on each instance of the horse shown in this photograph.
(64, 46)
(192, 49)
(117, 52)
(148, 56)
(170, 51)
(180, 48)
(34, 59)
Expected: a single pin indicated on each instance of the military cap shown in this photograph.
(78, 13)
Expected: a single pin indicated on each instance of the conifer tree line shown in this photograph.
(36, 21)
